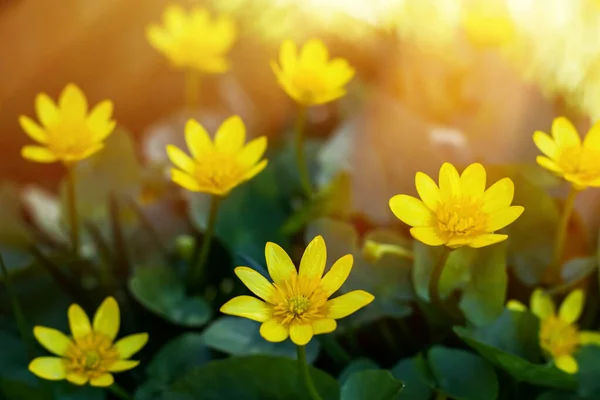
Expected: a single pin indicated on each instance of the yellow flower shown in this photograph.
(68, 133)
(90, 355)
(296, 304)
(460, 212)
(193, 40)
(217, 167)
(567, 156)
(559, 336)
(488, 26)
(309, 77)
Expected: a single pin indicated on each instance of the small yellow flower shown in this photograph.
(559, 336)
(193, 40)
(68, 133)
(488, 25)
(460, 212)
(567, 156)
(217, 167)
(296, 304)
(90, 355)
(309, 77)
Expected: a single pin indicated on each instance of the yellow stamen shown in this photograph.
(558, 337)
(91, 355)
(461, 217)
(300, 300)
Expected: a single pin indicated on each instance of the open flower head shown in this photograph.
(67, 132)
(560, 338)
(308, 76)
(193, 40)
(567, 156)
(90, 354)
(460, 212)
(219, 166)
(296, 303)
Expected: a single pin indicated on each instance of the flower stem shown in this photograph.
(72, 204)
(300, 155)
(118, 391)
(553, 273)
(310, 386)
(192, 83)
(201, 252)
(434, 280)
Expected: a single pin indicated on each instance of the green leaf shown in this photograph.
(253, 378)
(416, 385)
(578, 269)
(14, 235)
(558, 396)
(161, 291)
(241, 337)
(362, 364)
(371, 385)
(589, 370)
(462, 375)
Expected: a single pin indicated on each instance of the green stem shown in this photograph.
(300, 155)
(192, 83)
(201, 252)
(434, 280)
(72, 204)
(118, 391)
(310, 386)
(561, 233)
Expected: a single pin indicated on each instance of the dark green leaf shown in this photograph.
(178, 356)
(14, 235)
(362, 364)
(558, 396)
(588, 358)
(371, 385)
(416, 386)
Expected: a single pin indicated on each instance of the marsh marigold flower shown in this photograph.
(296, 303)
(567, 156)
(90, 355)
(560, 338)
(309, 77)
(217, 167)
(193, 40)
(460, 212)
(67, 132)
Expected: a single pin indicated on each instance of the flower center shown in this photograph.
(90, 355)
(299, 300)
(580, 160)
(219, 171)
(461, 217)
(298, 304)
(558, 337)
(309, 82)
(70, 138)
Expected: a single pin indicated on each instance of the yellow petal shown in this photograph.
(79, 322)
(572, 306)
(449, 181)
(589, 338)
(174, 17)
(273, 331)
(185, 180)
(498, 196)
(313, 261)
(314, 53)
(337, 275)
(53, 340)
(225, 30)
(592, 139)
(324, 97)
(77, 379)
(281, 268)
(427, 235)
(180, 159)
(300, 333)
(102, 131)
(548, 164)
(285, 83)
(33, 130)
(100, 115)
(73, 157)
(72, 103)
(411, 211)
(248, 307)
(567, 364)
(324, 326)
(339, 73)
(46, 110)
(131, 344)
(197, 139)
(103, 381)
(123, 365)
(473, 181)
(252, 152)
(287, 56)
(545, 144)
(231, 135)
(255, 170)
(158, 38)
(486, 240)
(348, 303)
(428, 191)
(564, 133)
(541, 304)
(257, 283)
(108, 318)
(516, 305)
(51, 368)
(501, 218)
(38, 154)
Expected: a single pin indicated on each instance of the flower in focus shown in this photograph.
(217, 167)
(559, 336)
(567, 156)
(308, 76)
(90, 355)
(296, 303)
(460, 212)
(67, 132)
(193, 40)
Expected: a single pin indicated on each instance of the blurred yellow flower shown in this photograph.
(296, 304)
(460, 212)
(309, 77)
(192, 40)
(559, 336)
(217, 167)
(68, 133)
(487, 26)
(567, 156)
(90, 355)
